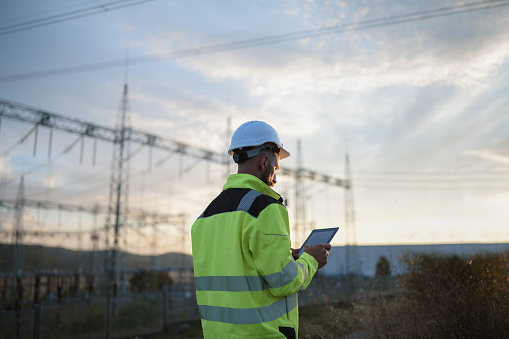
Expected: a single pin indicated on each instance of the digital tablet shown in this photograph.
(320, 236)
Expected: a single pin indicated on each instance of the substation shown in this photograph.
(35, 303)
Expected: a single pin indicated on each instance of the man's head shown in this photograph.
(263, 165)
(256, 149)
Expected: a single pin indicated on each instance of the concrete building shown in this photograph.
(369, 255)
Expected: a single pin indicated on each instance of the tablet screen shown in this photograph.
(320, 236)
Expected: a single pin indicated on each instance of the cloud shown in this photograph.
(488, 154)
(305, 73)
(181, 115)
(4, 166)
(153, 125)
(459, 53)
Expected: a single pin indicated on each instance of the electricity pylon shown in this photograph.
(300, 226)
(352, 258)
(118, 205)
(18, 258)
(18, 229)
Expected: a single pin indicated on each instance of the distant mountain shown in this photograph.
(41, 258)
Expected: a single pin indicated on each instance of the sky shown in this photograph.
(420, 106)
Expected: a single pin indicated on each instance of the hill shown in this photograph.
(42, 258)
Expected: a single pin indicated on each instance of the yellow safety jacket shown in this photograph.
(246, 277)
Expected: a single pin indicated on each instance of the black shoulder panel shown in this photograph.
(239, 199)
(260, 203)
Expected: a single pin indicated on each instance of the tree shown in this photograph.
(149, 280)
(383, 267)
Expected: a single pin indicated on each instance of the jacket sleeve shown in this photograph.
(269, 244)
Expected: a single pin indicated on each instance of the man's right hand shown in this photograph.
(320, 252)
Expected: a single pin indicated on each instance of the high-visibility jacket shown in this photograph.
(245, 275)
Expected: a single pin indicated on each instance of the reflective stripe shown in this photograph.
(248, 200)
(245, 316)
(249, 283)
(230, 284)
(283, 277)
(305, 272)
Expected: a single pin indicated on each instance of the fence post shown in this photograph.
(48, 285)
(108, 312)
(37, 308)
(17, 306)
(76, 287)
(165, 307)
(3, 294)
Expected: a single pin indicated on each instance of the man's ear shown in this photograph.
(264, 161)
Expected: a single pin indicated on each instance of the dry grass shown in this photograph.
(332, 321)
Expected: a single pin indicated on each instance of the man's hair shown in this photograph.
(269, 152)
(241, 155)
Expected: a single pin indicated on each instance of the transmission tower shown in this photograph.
(352, 258)
(228, 138)
(94, 237)
(118, 201)
(18, 229)
(18, 257)
(300, 226)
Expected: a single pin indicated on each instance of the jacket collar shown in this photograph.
(250, 181)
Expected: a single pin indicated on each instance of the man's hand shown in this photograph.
(320, 252)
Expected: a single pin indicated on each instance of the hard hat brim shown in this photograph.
(283, 153)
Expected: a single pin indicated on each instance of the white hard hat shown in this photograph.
(256, 133)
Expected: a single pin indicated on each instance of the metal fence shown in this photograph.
(76, 305)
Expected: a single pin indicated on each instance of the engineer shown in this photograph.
(246, 273)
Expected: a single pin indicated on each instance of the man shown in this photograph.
(247, 276)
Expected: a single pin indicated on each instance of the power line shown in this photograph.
(53, 19)
(427, 173)
(270, 40)
(433, 176)
(461, 181)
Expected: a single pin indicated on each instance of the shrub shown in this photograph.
(383, 267)
(458, 298)
(437, 297)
